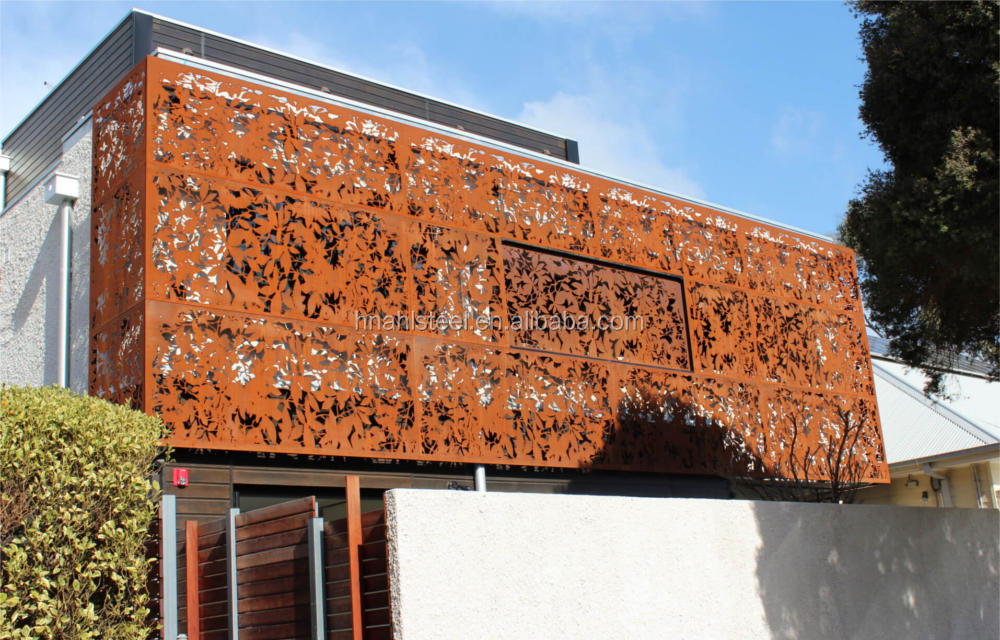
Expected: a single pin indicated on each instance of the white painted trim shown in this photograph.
(82, 127)
(985, 453)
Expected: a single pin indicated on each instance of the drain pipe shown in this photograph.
(481, 478)
(63, 190)
(4, 168)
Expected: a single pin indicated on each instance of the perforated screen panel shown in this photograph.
(276, 273)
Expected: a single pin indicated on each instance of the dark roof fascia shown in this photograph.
(984, 453)
(962, 365)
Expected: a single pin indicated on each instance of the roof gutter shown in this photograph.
(932, 465)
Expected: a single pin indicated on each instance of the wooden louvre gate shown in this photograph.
(372, 576)
(282, 573)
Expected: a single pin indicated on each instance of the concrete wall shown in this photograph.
(29, 279)
(468, 565)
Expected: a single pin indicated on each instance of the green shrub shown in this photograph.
(77, 504)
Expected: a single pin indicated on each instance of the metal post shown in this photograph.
(481, 478)
(191, 565)
(231, 591)
(353, 490)
(317, 592)
(168, 566)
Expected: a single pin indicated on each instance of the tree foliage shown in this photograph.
(927, 228)
(76, 508)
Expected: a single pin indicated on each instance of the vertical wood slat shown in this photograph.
(191, 565)
(353, 487)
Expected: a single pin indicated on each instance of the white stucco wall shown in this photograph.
(501, 565)
(29, 280)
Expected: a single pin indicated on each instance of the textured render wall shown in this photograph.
(29, 280)
(468, 565)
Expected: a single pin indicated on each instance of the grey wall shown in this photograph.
(29, 279)
(468, 565)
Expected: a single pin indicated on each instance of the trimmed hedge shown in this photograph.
(77, 504)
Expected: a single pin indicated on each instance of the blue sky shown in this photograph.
(749, 105)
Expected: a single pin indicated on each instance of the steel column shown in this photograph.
(191, 565)
(168, 566)
(232, 593)
(317, 581)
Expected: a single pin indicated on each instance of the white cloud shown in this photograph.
(401, 63)
(604, 120)
(796, 130)
(637, 15)
(611, 139)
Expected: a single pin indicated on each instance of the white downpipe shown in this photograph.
(63, 190)
(481, 478)
(65, 286)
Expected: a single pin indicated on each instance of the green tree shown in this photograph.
(927, 227)
(77, 504)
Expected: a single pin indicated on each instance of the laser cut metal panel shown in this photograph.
(223, 243)
(567, 305)
(118, 247)
(311, 279)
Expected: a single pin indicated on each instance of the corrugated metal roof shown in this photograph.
(914, 426)
(879, 347)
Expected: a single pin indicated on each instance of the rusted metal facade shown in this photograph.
(240, 233)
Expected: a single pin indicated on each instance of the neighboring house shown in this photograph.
(941, 452)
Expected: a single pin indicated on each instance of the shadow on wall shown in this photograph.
(44, 273)
(659, 429)
(875, 571)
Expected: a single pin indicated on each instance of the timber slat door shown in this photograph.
(272, 576)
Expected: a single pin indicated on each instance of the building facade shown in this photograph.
(306, 273)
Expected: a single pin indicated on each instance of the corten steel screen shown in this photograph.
(240, 232)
